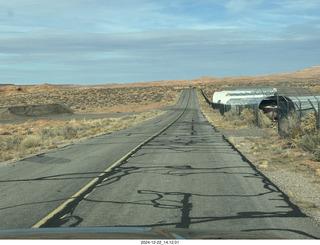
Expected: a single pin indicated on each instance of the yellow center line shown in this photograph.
(87, 189)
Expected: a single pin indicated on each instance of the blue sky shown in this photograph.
(117, 41)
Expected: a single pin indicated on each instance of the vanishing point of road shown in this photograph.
(174, 171)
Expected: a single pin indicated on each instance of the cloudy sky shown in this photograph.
(107, 41)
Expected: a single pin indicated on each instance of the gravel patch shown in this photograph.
(246, 132)
(303, 188)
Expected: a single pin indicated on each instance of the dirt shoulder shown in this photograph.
(295, 172)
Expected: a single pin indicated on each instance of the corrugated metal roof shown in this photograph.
(281, 90)
(293, 92)
(245, 101)
(306, 103)
(242, 93)
(283, 99)
(301, 99)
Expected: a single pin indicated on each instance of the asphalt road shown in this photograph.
(188, 176)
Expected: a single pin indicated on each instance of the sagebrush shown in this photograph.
(14, 146)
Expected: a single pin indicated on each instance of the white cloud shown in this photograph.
(297, 5)
(153, 40)
(236, 6)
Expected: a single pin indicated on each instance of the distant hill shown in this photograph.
(308, 75)
(19, 89)
(311, 74)
(78, 86)
(6, 84)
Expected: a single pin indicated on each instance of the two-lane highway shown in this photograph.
(182, 173)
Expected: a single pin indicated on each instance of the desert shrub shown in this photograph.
(264, 120)
(302, 133)
(233, 117)
(10, 143)
(288, 125)
(230, 115)
(247, 116)
(101, 122)
(52, 146)
(48, 133)
(83, 127)
(309, 142)
(2, 144)
(118, 126)
(14, 142)
(58, 131)
(292, 127)
(93, 131)
(31, 141)
(66, 131)
(316, 153)
(309, 124)
(69, 132)
(5, 156)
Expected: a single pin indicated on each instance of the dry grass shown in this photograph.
(289, 126)
(20, 140)
(213, 116)
(302, 134)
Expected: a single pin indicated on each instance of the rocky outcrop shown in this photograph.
(34, 110)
